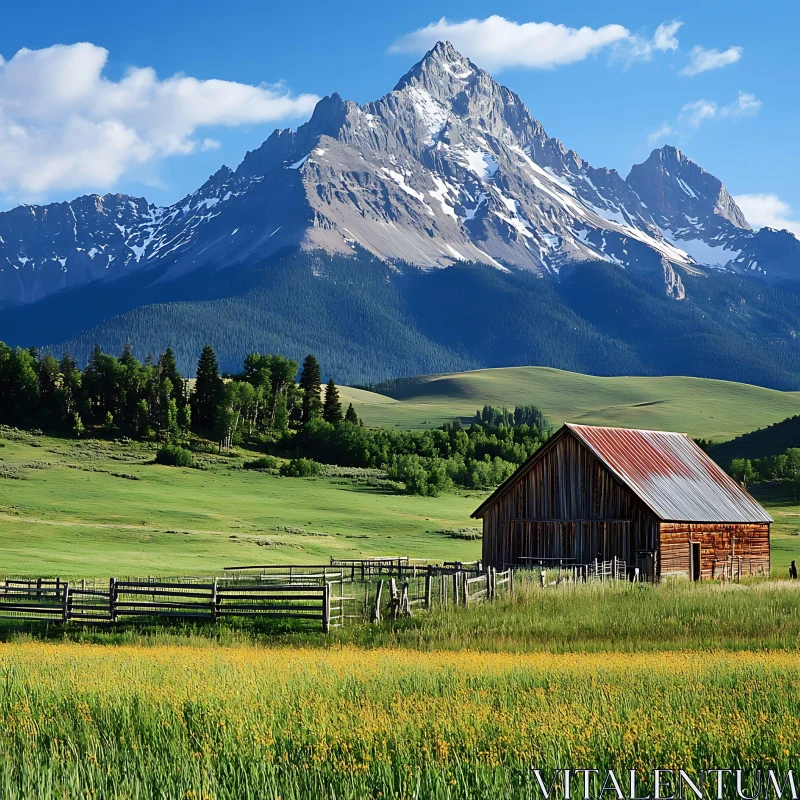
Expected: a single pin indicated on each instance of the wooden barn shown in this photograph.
(653, 499)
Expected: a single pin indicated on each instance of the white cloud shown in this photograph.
(665, 38)
(746, 106)
(767, 210)
(497, 43)
(639, 48)
(661, 134)
(702, 60)
(64, 125)
(693, 115)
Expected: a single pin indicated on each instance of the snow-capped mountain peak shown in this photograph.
(449, 166)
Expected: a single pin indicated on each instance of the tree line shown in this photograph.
(152, 400)
(272, 406)
(783, 467)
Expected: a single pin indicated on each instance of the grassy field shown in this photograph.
(710, 409)
(95, 509)
(421, 711)
(455, 703)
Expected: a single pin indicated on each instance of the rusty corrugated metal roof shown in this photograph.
(671, 474)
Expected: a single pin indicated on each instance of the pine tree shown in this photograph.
(127, 357)
(332, 409)
(350, 415)
(207, 390)
(310, 384)
(168, 368)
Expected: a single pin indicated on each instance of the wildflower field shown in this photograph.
(86, 720)
(411, 712)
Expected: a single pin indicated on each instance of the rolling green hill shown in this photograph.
(704, 408)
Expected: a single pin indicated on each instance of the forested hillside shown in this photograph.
(762, 443)
(370, 322)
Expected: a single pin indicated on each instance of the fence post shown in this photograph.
(466, 588)
(455, 587)
(428, 588)
(38, 589)
(394, 597)
(510, 580)
(489, 583)
(543, 579)
(214, 600)
(326, 608)
(112, 599)
(65, 604)
(376, 610)
(405, 602)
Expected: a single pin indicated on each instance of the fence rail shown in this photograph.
(202, 600)
(327, 594)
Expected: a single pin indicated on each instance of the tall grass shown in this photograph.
(184, 722)
(611, 617)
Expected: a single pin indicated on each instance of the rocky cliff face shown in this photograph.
(449, 166)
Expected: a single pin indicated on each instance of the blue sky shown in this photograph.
(164, 93)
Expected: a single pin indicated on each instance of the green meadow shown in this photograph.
(95, 508)
(710, 409)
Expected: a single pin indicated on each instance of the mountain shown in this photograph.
(695, 213)
(449, 167)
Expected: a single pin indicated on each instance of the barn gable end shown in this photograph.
(565, 503)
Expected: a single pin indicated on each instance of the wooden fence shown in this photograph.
(443, 587)
(325, 594)
(306, 597)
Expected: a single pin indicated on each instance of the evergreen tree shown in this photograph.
(310, 384)
(207, 390)
(168, 368)
(332, 408)
(127, 357)
(350, 415)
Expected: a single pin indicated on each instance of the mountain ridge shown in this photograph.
(442, 218)
(449, 166)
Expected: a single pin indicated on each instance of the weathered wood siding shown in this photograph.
(721, 547)
(567, 505)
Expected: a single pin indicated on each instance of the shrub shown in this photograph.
(301, 468)
(265, 462)
(174, 456)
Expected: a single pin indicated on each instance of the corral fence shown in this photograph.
(328, 595)
(555, 572)
(308, 598)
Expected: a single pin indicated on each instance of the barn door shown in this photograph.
(694, 561)
(646, 561)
